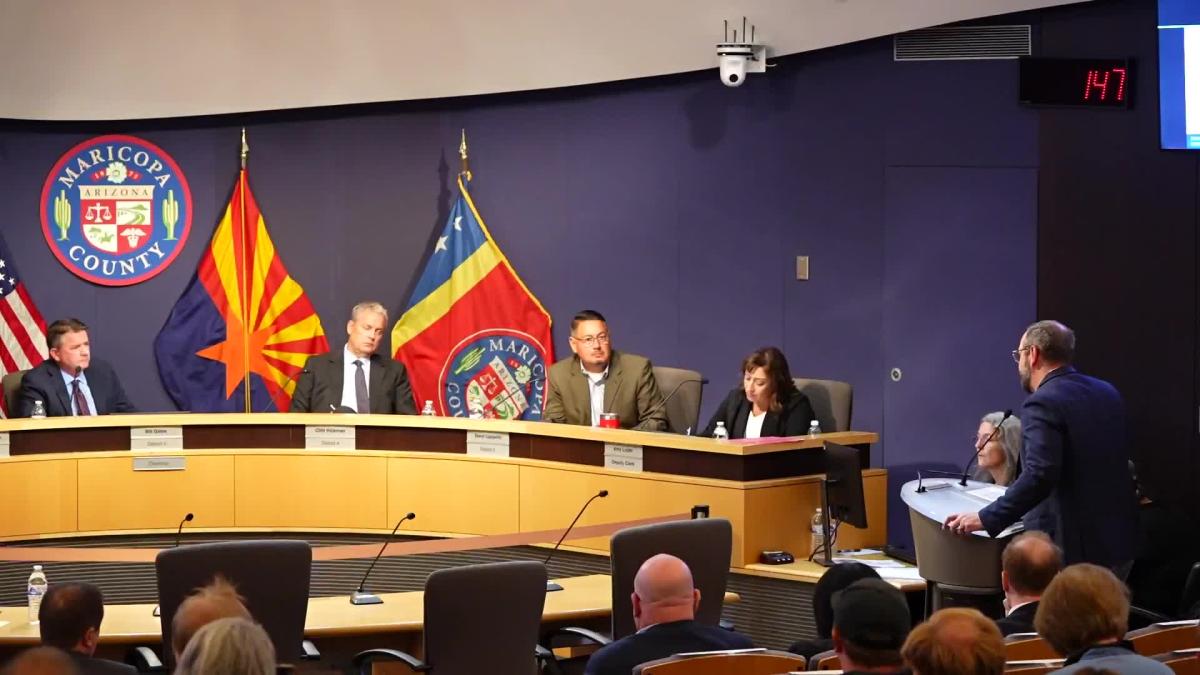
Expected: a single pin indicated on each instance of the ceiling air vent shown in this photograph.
(957, 43)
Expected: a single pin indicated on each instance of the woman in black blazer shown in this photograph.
(767, 403)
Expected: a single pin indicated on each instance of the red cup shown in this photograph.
(610, 421)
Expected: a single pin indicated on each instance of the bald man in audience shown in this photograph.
(218, 600)
(664, 610)
(1028, 565)
(955, 641)
(69, 619)
(41, 661)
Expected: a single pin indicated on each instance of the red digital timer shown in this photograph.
(1099, 83)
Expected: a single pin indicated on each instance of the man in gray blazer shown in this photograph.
(355, 378)
(599, 379)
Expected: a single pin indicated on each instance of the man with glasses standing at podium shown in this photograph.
(599, 380)
(1074, 483)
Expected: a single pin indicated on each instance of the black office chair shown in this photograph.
(478, 619)
(272, 575)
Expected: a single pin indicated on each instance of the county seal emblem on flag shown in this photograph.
(116, 210)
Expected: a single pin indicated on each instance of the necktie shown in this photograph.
(360, 388)
(81, 406)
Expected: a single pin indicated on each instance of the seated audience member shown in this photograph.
(664, 611)
(69, 619)
(599, 379)
(71, 382)
(1084, 614)
(833, 580)
(999, 460)
(218, 600)
(767, 403)
(870, 623)
(955, 641)
(228, 647)
(1029, 562)
(41, 661)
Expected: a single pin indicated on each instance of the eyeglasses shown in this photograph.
(1016, 353)
(593, 340)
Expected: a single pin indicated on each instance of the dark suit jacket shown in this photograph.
(90, 666)
(630, 391)
(1074, 483)
(661, 641)
(792, 420)
(1020, 621)
(45, 383)
(320, 385)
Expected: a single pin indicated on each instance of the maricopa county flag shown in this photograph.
(472, 330)
(242, 319)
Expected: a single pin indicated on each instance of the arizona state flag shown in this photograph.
(241, 332)
(472, 330)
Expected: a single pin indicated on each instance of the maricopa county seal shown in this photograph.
(116, 210)
(503, 370)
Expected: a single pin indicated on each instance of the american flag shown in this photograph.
(22, 330)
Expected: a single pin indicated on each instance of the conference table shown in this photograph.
(280, 472)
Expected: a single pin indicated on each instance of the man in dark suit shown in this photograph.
(664, 611)
(1074, 483)
(69, 619)
(599, 379)
(355, 378)
(1029, 563)
(71, 382)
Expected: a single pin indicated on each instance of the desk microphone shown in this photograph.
(297, 376)
(178, 537)
(550, 585)
(975, 455)
(359, 597)
(663, 404)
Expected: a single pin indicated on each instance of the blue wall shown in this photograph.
(674, 205)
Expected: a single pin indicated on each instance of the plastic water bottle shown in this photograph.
(721, 433)
(427, 411)
(814, 428)
(39, 411)
(475, 406)
(818, 530)
(36, 591)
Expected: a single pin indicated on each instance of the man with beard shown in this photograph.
(1074, 483)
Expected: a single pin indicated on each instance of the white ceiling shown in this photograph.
(119, 59)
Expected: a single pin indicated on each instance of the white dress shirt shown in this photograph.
(754, 424)
(596, 392)
(349, 399)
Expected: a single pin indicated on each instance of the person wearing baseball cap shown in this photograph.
(870, 623)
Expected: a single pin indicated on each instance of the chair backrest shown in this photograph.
(1031, 668)
(683, 410)
(758, 662)
(1025, 649)
(832, 402)
(11, 383)
(706, 545)
(484, 618)
(1160, 638)
(827, 660)
(1181, 663)
(271, 574)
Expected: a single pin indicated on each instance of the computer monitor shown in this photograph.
(841, 495)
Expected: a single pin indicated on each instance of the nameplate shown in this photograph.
(159, 463)
(156, 438)
(623, 463)
(320, 437)
(618, 450)
(487, 443)
(3, 444)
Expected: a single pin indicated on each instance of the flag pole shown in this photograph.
(245, 285)
(462, 153)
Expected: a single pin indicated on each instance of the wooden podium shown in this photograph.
(297, 472)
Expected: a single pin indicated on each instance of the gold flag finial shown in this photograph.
(462, 153)
(245, 148)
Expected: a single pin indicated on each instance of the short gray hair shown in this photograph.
(368, 306)
(232, 646)
(1010, 441)
(1054, 340)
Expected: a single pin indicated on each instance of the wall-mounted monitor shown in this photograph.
(1179, 74)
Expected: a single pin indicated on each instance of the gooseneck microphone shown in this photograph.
(359, 597)
(295, 378)
(975, 455)
(550, 585)
(666, 399)
(178, 537)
